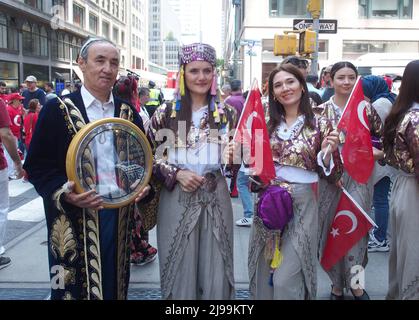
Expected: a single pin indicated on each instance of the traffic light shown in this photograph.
(285, 44)
(307, 42)
(314, 7)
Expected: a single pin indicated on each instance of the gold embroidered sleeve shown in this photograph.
(376, 125)
(162, 170)
(412, 141)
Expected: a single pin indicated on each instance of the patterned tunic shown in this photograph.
(300, 236)
(334, 113)
(194, 229)
(301, 150)
(166, 172)
(340, 274)
(405, 154)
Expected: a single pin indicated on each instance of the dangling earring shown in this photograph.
(182, 81)
(214, 84)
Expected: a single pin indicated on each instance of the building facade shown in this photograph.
(137, 26)
(363, 27)
(43, 37)
(164, 34)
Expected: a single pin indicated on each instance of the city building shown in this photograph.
(137, 49)
(164, 35)
(363, 27)
(42, 37)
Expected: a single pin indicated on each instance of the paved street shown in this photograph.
(27, 278)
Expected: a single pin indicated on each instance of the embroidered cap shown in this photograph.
(197, 52)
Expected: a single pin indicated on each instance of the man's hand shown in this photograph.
(189, 181)
(89, 199)
(143, 193)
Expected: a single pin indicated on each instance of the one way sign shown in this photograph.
(326, 26)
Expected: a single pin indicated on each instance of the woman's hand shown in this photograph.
(377, 154)
(89, 199)
(231, 153)
(330, 145)
(189, 181)
(142, 193)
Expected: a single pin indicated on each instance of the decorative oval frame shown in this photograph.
(79, 138)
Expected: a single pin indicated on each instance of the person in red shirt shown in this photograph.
(8, 141)
(16, 113)
(30, 120)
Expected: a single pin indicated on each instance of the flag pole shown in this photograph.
(254, 83)
(359, 207)
(343, 112)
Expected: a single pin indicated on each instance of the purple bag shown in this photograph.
(275, 207)
(375, 141)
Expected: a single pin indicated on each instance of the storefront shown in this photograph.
(41, 73)
(9, 73)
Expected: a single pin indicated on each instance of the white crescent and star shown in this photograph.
(361, 108)
(249, 120)
(16, 120)
(350, 215)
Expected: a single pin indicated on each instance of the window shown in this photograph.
(60, 46)
(122, 38)
(385, 9)
(27, 38)
(62, 4)
(105, 29)
(3, 31)
(54, 45)
(9, 37)
(67, 46)
(289, 8)
(352, 49)
(37, 4)
(44, 42)
(115, 33)
(93, 23)
(78, 16)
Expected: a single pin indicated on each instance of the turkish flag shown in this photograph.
(253, 134)
(349, 226)
(357, 153)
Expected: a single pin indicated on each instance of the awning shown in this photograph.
(78, 72)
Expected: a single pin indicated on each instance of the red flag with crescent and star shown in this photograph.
(357, 153)
(253, 134)
(350, 224)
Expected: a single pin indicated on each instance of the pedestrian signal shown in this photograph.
(307, 42)
(285, 44)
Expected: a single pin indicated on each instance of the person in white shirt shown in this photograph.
(87, 243)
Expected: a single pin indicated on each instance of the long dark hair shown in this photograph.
(276, 109)
(185, 112)
(340, 65)
(408, 94)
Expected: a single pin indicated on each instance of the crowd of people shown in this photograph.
(290, 217)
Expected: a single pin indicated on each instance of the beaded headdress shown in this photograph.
(196, 52)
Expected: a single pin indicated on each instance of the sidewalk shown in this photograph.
(29, 267)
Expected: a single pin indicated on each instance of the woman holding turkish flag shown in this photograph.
(283, 240)
(357, 121)
(401, 148)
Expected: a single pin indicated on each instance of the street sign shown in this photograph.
(326, 26)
